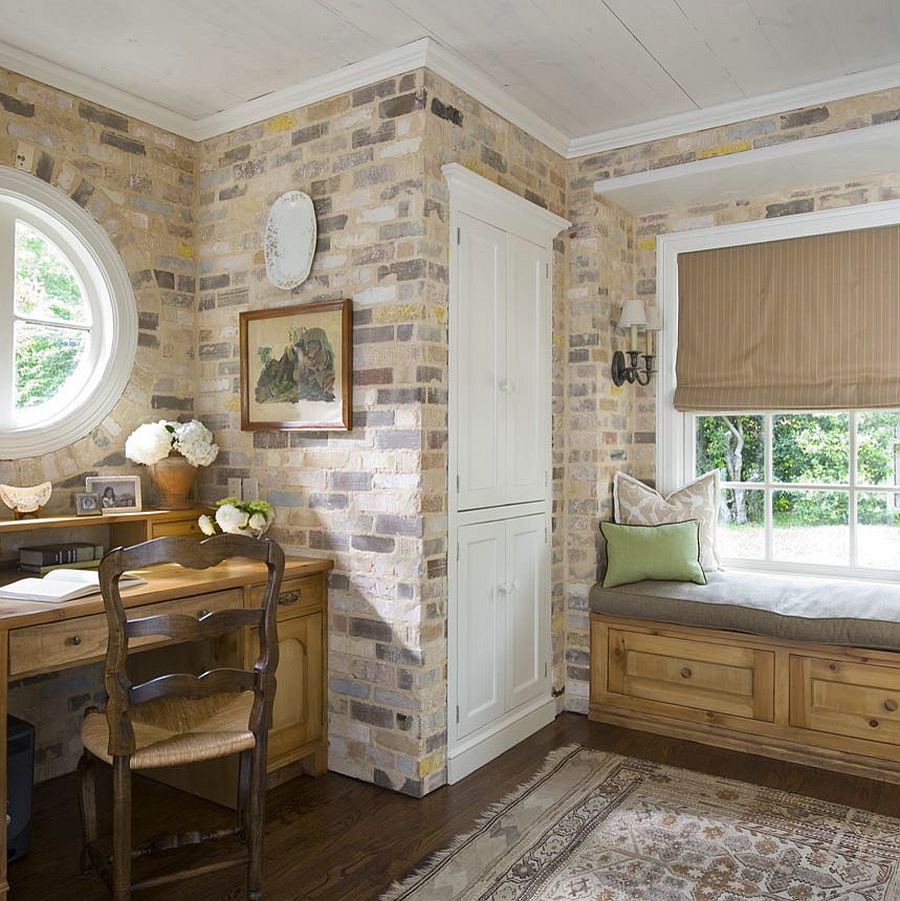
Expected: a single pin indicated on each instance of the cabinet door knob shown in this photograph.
(75, 639)
(890, 705)
(506, 385)
(686, 672)
(873, 724)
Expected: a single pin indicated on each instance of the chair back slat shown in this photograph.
(183, 627)
(187, 552)
(184, 685)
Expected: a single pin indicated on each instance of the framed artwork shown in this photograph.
(87, 503)
(118, 494)
(297, 367)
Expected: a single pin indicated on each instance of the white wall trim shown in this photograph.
(429, 53)
(827, 157)
(673, 438)
(486, 200)
(738, 111)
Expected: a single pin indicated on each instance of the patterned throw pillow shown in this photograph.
(636, 504)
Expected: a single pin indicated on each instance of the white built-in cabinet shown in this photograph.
(499, 511)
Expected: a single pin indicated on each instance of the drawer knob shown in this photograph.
(686, 672)
(75, 639)
(873, 724)
(288, 597)
(890, 705)
(202, 613)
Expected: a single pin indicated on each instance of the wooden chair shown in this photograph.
(181, 718)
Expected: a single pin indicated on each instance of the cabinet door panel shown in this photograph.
(480, 626)
(528, 352)
(297, 716)
(480, 323)
(527, 609)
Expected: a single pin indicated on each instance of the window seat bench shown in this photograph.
(801, 669)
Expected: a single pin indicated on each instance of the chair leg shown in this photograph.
(121, 868)
(245, 769)
(256, 819)
(87, 806)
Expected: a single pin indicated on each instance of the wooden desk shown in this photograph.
(39, 638)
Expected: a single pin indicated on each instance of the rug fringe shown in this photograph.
(399, 889)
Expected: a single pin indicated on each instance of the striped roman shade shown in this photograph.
(807, 323)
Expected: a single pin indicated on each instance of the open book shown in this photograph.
(62, 585)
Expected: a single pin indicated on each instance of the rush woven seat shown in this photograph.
(178, 730)
(181, 718)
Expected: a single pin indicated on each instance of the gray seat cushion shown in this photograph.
(824, 611)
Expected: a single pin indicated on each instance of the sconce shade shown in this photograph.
(653, 321)
(633, 314)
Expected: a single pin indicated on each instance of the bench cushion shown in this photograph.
(824, 611)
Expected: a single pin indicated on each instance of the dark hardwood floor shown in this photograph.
(335, 838)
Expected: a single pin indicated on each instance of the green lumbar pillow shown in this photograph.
(666, 553)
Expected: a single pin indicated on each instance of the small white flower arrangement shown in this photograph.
(151, 442)
(238, 518)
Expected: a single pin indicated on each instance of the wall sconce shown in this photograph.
(634, 316)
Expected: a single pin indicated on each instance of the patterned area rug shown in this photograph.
(592, 826)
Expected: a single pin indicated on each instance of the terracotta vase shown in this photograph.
(174, 477)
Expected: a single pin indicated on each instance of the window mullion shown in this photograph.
(7, 320)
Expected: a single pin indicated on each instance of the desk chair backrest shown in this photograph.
(187, 552)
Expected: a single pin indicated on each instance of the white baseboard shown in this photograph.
(492, 741)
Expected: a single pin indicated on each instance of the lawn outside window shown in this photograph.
(815, 491)
(68, 322)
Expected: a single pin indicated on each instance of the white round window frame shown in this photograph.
(115, 318)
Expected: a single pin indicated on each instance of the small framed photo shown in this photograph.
(118, 494)
(297, 367)
(87, 503)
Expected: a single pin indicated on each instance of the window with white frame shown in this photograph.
(68, 322)
(807, 492)
(812, 489)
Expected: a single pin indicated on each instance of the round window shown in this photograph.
(68, 322)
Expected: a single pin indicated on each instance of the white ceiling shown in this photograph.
(583, 66)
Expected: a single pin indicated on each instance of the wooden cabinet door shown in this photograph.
(527, 609)
(297, 714)
(480, 652)
(480, 408)
(528, 379)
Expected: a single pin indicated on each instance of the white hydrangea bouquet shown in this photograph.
(153, 441)
(238, 518)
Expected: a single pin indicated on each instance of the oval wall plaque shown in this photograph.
(290, 242)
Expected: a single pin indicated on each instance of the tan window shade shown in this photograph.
(801, 324)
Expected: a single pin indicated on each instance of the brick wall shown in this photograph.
(137, 181)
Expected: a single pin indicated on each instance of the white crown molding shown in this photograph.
(738, 111)
(428, 53)
(347, 78)
(94, 90)
(474, 81)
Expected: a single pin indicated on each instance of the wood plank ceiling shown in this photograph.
(585, 66)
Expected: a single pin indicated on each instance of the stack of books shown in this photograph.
(44, 558)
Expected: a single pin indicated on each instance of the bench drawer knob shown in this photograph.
(890, 705)
(873, 724)
(686, 672)
(75, 639)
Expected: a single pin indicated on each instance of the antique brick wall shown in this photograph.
(137, 181)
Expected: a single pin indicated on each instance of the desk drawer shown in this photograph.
(676, 673)
(187, 527)
(838, 697)
(38, 649)
(297, 596)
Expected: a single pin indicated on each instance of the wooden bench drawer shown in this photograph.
(41, 648)
(297, 596)
(839, 697)
(683, 673)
